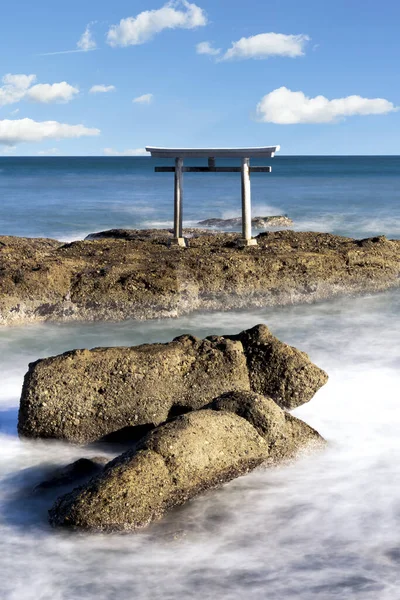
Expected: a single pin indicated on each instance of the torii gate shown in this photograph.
(212, 153)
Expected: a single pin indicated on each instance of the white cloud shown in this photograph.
(206, 48)
(132, 152)
(49, 152)
(26, 130)
(56, 92)
(14, 112)
(84, 44)
(18, 87)
(86, 41)
(101, 89)
(145, 99)
(14, 88)
(284, 107)
(140, 29)
(265, 45)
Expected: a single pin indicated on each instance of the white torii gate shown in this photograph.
(212, 153)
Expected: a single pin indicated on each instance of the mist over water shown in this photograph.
(326, 526)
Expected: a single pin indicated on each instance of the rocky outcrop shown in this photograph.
(282, 372)
(257, 222)
(142, 277)
(86, 395)
(180, 459)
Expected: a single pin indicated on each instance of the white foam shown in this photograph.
(323, 527)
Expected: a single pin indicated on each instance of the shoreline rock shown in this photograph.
(141, 277)
(84, 396)
(180, 459)
(256, 222)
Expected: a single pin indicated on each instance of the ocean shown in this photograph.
(323, 527)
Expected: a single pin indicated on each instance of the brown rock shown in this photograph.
(138, 276)
(83, 468)
(277, 370)
(174, 462)
(285, 435)
(85, 395)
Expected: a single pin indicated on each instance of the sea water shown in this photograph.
(326, 526)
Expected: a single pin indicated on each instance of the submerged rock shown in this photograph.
(87, 395)
(139, 276)
(83, 468)
(257, 222)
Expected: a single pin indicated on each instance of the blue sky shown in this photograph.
(316, 77)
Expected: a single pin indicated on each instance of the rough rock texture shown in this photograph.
(285, 435)
(84, 395)
(83, 468)
(142, 277)
(257, 222)
(173, 463)
(277, 370)
(178, 460)
(161, 235)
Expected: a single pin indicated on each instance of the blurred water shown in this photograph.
(325, 527)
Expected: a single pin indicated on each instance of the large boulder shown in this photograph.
(121, 393)
(84, 395)
(182, 458)
(277, 370)
(175, 462)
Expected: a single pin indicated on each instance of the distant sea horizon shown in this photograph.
(69, 197)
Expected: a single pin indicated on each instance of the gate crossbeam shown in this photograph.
(212, 153)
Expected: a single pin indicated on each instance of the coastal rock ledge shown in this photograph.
(182, 458)
(133, 274)
(120, 394)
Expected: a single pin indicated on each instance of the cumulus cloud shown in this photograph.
(15, 88)
(179, 14)
(207, 48)
(265, 45)
(56, 92)
(145, 99)
(131, 152)
(26, 130)
(19, 87)
(285, 107)
(86, 41)
(101, 89)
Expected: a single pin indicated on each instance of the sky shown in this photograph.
(97, 78)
